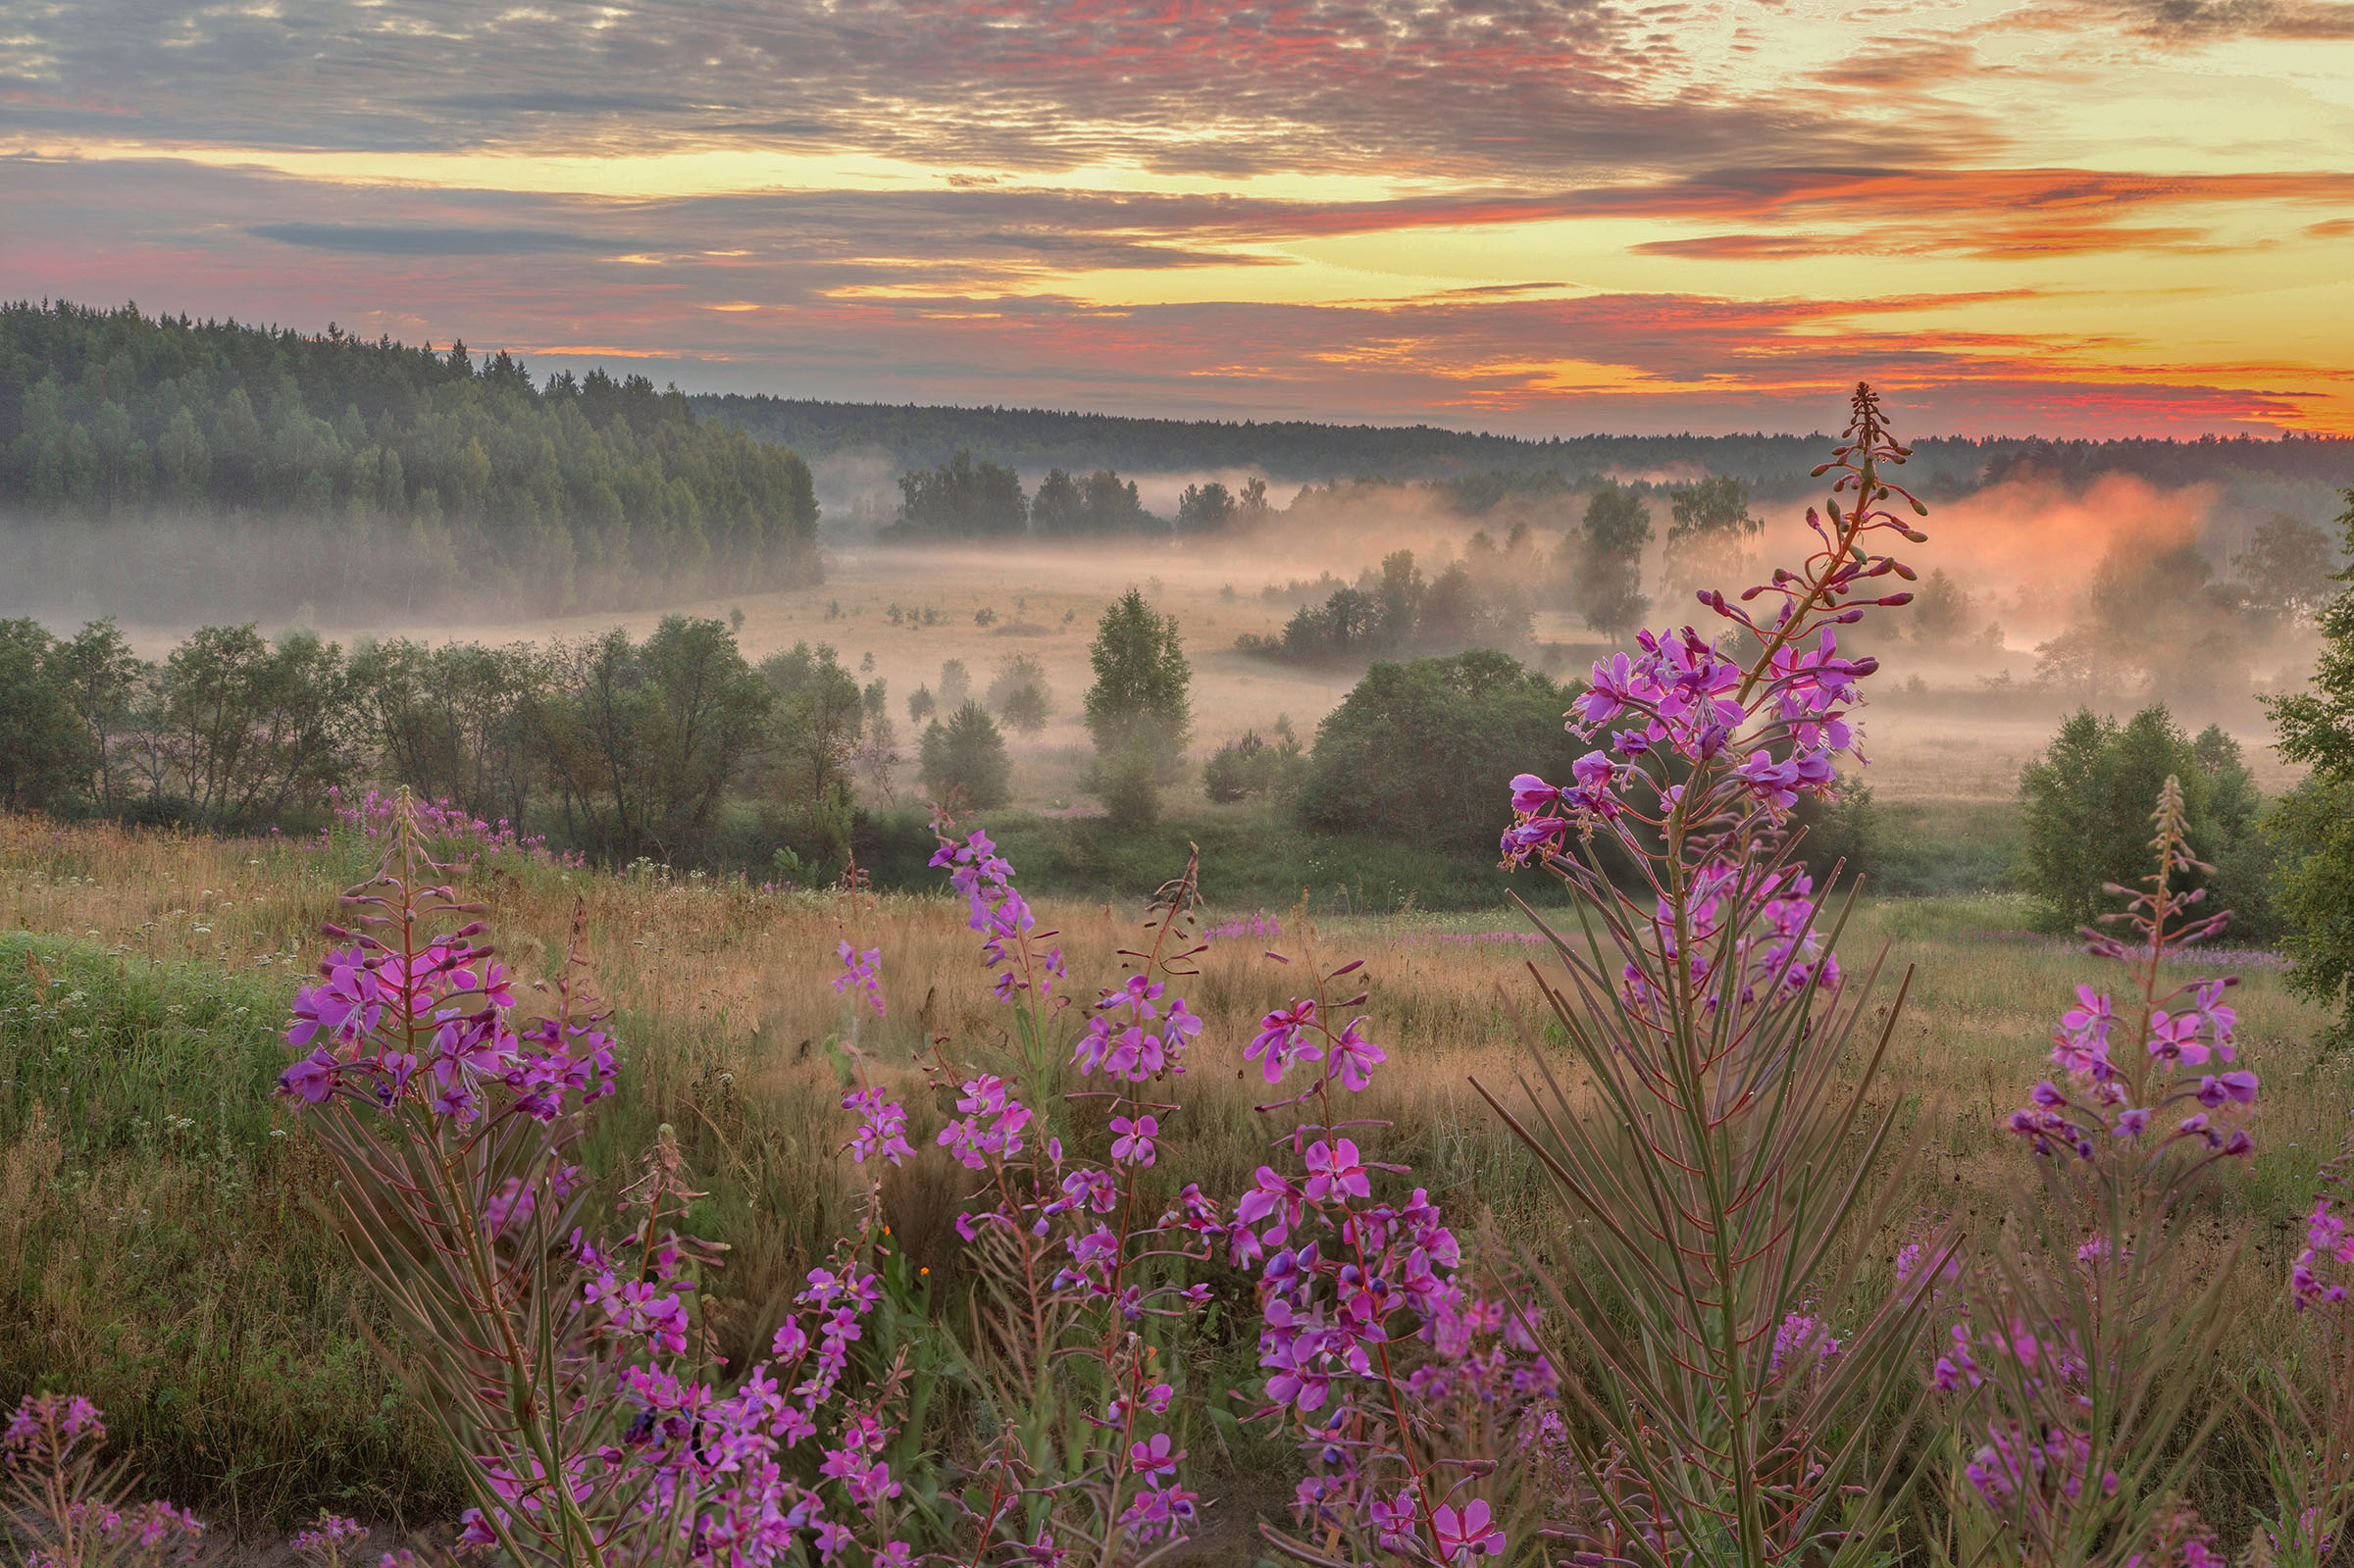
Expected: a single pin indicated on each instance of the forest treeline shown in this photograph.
(169, 465)
(1300, 451)
(967, 499)
(677, 748)
(617, 748)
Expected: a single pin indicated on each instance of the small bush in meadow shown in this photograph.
(963, 760)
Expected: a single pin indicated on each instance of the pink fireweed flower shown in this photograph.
(1094, 1189)
(1154, 1458)
(863, 972)
(310, 1080)
(1282, 1040)
(1159, 1511)
(1354, 1058)
(1178, 1031)
(1134, 1146)
(1594, 795)
(2083, 1047)
(1094, 1043)
(2231, 1089)
(1616, 686)
(1466, 1535)
(882, 1128)
(2092, 1015)
(2208, 1002)
(1334, 1168)
(1775, 784)
(1594, 772)
(1396, 1520)
(1296, 1374)
(2179, 1036)
(1138, 996)
(1532, 795)
(1797, 1333)
(1271, 1195)
(2327, 1232)
(1133, 1054)
(1524, 838)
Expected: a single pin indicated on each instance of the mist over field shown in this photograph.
(2025, 555)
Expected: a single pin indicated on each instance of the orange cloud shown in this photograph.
(1254, 208)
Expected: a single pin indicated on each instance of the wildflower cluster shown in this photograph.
(716, 1465)
(2311, 1392)
(2020, 1472)
(1405, 1390)
(59, 1502)
(573, 1372)
(2059, 1446)
(863, 972)
(1090, 1255)
(1705, 1003)
(321, 1542)
(1000, 912)
(461, 838)
(2319, 1275)
(428, 1021)
(1258, 926)
(2174, 1036)
(2181, 1539)
(1759, 929)
(1696, 733)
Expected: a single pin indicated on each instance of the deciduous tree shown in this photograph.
(1140, 697)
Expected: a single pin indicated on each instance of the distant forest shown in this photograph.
(1483, 468)
(165, 468)
(172, 466)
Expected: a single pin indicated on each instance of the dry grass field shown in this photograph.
(155, 1250)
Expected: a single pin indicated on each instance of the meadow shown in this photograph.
(1711, 1252)
(159, 1254)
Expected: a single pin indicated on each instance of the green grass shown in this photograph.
(1924, 848)
(1253, 856)
(157, 1252)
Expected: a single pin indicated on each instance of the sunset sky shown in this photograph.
(2065, 216)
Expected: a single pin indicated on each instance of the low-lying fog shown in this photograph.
(2127, 590)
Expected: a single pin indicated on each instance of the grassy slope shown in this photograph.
(155, 1250)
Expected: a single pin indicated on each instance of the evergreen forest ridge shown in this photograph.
(141, 455)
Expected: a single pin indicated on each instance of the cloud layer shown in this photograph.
(1543, 215)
